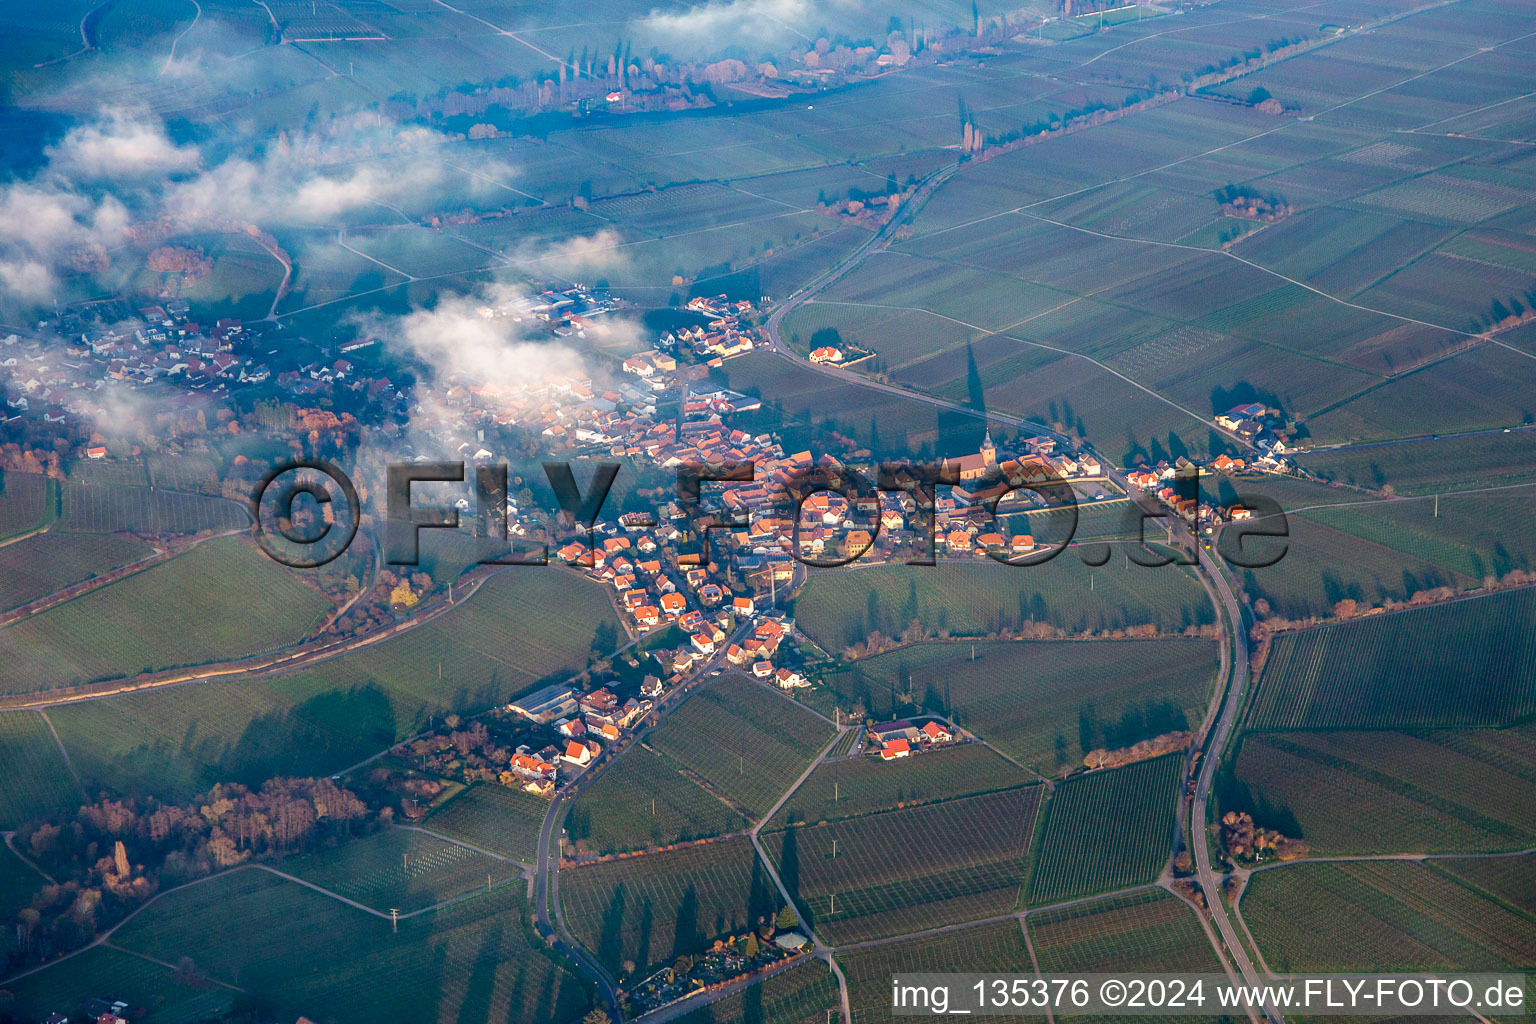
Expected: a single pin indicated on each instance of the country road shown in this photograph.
(1231, 689)
(546, 883)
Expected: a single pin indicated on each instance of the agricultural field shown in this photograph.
(180, 612)
(1377, 551)
(141, 983)
(1461, 790)
(1044, 703)
(642, 801)
(650, 909)
(1381, 916)
(112, 508)
(37, 782)
(400, 868)
(974, 598)
(1465, 663)
(1510, 879)
(802, 405)
(26, 502)
(522, 628)
(1110, 829)
(49, 562)
(1428, 466)
(801, 995)
(1149, 932)
(306, 953)
(495, 818)
(997, 947)
(904, 870)
(744, 741)
(865, 785)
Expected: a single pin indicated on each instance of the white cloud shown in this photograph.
(739, 20)
(119, 146)
(457, 341)
(576, 257)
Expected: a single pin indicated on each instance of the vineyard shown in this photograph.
(997, 947)
(1044, 703)
(650, 909)
(863, 785)
(495, 818)
(981, 597)
(904, 870)
(400, 869)
(26, 502)
(1450, 790)
(1109, 829)
(1381, 916)
(36, 782)
(111, 508)
(641, 801)
(306, 953)
(223, 599)
(49, 562)
(1463, 663)
(1144, 932)
(746, 742)
(1509, 879)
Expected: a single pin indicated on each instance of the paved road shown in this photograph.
(1213, 576)
(546, 883)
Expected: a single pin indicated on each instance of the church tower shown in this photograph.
(988, 449)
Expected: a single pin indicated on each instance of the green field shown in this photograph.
(801, 995)
(997, 947)
(1045, 703)
(19, 884)
(746, 742)
(905, 870)
(521, 628)
(495, 818)
(1382, 916)
(1109, 829)
(974, 599)
(863, 785)
(49, 562)
(1392, 792)
(141, 983)
(1464, 663)
(187, 611)
(36, 779)
(306, 953)
(651, 909)
(1378, 551)
(402, 869)
(641, 801)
